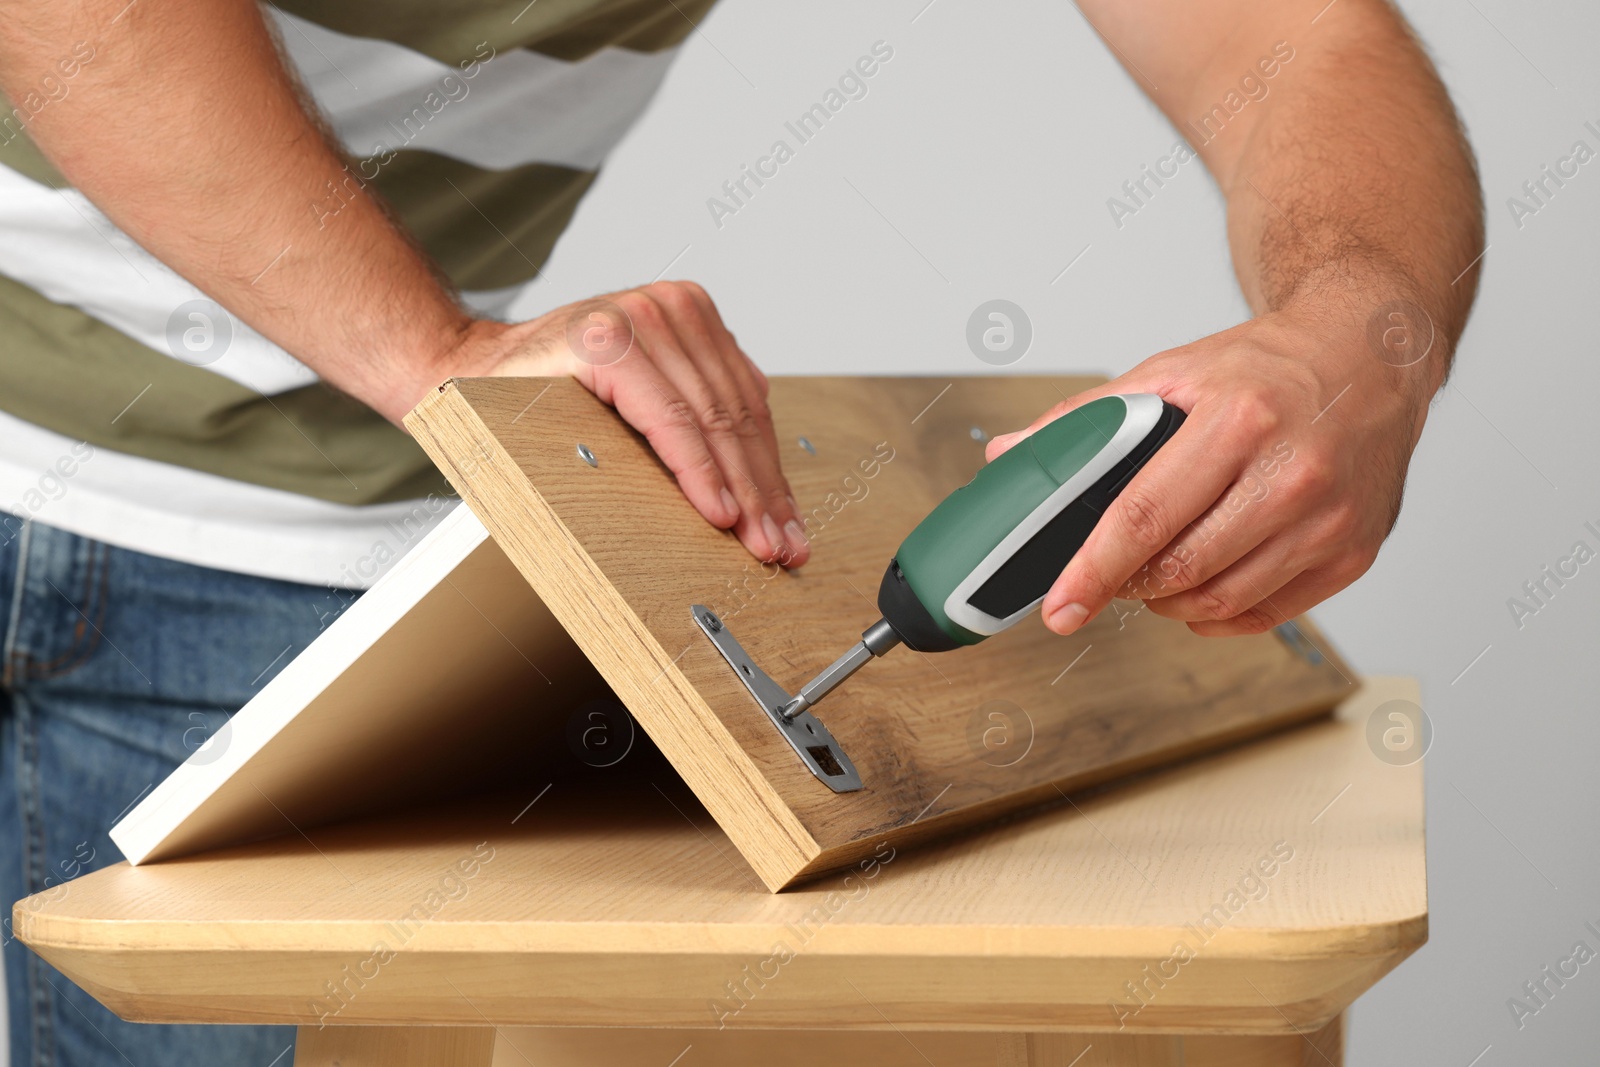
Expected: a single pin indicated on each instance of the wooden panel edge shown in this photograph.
(775, 857)
(1058, 995)
(1397, 937)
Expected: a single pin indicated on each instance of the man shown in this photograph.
(237, 245)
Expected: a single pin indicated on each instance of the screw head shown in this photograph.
(713, 623)
(586, 455)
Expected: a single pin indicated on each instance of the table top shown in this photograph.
(1257, 890)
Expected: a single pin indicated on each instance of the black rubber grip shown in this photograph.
(910, 619)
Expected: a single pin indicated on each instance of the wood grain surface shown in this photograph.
(940, 741)
(610, 898)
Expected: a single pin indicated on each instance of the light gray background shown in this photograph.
(990, 142)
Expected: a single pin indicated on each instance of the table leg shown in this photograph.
(579, 1047)
(394, 1046)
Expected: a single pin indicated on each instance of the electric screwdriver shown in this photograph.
(983, 559)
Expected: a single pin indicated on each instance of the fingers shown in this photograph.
(654, 407)
(752, 383)
(1284, 577)
(1249, 513)
(707, 369)
(701, 404)
(1182, 481)
(1251, 580)
(1283, 540)
(1298, 596)
(764, 453)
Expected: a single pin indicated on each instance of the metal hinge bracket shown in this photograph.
(810, 739)
(1296, 639)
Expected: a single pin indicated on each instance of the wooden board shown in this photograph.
(610, 898)
(619, 556)
(447, 675)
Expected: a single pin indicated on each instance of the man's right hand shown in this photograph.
(663, 358)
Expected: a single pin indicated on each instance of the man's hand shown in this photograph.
(1274, 494)
(1355, 222)
(663, 358)
(216, 179)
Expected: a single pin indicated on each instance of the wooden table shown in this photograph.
(1223, 912)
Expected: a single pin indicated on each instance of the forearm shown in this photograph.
(188, 132)
(1355, 222)
(1354, 189)
(1349, 185)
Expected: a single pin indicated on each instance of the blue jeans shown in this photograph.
(117, 665)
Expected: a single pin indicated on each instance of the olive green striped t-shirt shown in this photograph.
(481, 123)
